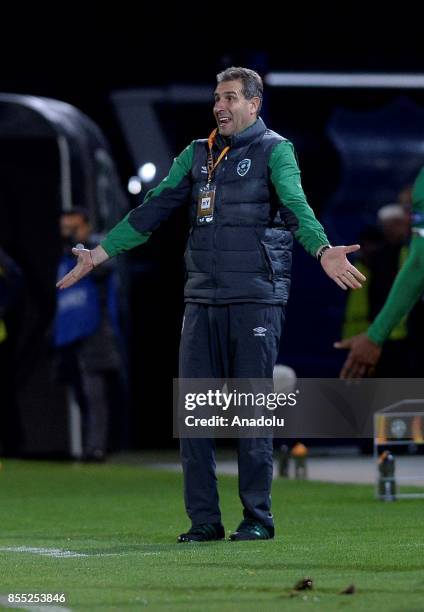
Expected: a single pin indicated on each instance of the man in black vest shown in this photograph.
(242, 186)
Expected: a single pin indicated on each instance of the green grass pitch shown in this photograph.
(106, 536)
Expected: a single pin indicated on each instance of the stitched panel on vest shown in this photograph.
(244, 190)
(201, 238)
(198, 261)
(240, 239)
(242, 262)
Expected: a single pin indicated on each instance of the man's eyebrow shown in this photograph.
(217, 93)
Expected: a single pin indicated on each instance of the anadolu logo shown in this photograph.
(243, 167)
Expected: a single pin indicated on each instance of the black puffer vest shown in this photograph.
(244, 255)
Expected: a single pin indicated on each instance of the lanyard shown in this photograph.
(211, 164)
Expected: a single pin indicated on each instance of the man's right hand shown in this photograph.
(337, 266)
(87, 260)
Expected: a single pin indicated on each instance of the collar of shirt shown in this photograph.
(242, 139)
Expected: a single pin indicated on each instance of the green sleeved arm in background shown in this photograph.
(408, 285)
(407, 289)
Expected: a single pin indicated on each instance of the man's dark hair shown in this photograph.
(77, 210)
(252, 82)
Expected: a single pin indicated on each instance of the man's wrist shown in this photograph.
(98, 255)
(373, 336)
(322, 249)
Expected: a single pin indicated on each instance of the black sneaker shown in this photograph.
(203, 533)
(249, 529)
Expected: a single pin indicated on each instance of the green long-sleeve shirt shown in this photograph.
(174, 191)
(408, 286)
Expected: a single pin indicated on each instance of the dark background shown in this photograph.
(82, 54)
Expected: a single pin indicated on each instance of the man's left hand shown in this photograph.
(337, 266)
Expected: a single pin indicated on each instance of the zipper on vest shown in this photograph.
(221, 170)
(268, 262)
(214, 257)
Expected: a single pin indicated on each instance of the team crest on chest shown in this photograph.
(243, 167)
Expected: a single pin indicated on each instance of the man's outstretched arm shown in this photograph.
(365, 349)
(300, 219)
(408, 287)
(136, 227)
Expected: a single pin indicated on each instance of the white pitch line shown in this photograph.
(58, 553)
(46, 552)
(7, 604)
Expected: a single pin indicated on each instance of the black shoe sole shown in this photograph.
(243, 538)
(219, 533)
(199, 541)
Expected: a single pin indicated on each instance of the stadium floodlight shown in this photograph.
(134, 185)
(147, 172)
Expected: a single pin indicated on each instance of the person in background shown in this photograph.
(383, 251)
(408, 288)
(85, 336)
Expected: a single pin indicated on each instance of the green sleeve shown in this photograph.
(406, 290)
(295, 210)
(418, 201)
(137, 226)
(122, 237)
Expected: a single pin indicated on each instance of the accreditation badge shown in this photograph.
(205, 204)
